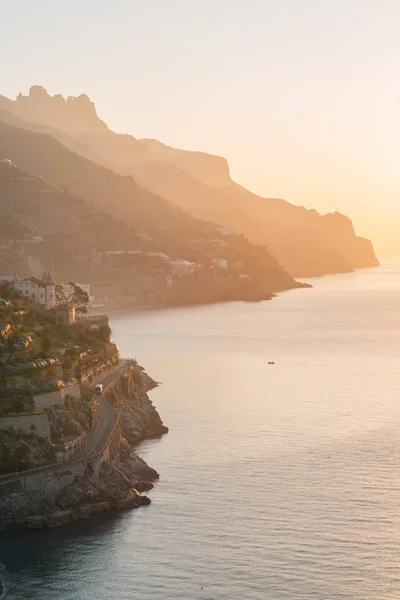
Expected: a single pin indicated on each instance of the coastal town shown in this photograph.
(70, 409)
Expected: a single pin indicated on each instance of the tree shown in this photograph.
(72, 295)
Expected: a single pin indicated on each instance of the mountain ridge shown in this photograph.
(306, 243)
(134, 210)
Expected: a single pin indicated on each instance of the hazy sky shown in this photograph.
(301, 96)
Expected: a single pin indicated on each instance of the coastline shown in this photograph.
(132, 307)
(80, 490)
(118, 483)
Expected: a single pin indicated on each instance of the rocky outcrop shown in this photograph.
(114, 485)
(139, 419)
(117, 486)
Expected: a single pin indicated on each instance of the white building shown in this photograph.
(42, 291)
(181, 267)
(221, 263)
(224, 230)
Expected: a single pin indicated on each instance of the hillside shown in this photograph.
(42, 225)
(305, 242)
(83, 211)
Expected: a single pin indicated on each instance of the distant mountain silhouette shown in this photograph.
(132, 208)
(305, 242)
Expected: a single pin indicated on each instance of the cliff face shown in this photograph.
(307, 244)
(117, 485)
(304, 242)
(139, 418)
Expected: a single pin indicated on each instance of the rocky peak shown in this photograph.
(75, 114)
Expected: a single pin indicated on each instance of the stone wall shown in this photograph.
(74, 391)
(55, 480)
(33, 424)
(43, 401)
(71, 448)
(43, 485)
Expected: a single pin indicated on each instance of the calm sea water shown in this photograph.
(277, 482)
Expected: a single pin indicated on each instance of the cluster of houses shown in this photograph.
(43, 291)
(42, 381)
(178, 267)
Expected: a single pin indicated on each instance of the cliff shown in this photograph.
(138, 417)
(305, 242)
(115, 487)
(64, 452)
(117, 483)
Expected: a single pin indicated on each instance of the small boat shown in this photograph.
(271, 362)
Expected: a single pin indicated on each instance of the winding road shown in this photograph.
(107, 420)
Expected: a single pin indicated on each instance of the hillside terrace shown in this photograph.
(46, 395)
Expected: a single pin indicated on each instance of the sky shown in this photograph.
(301, 96)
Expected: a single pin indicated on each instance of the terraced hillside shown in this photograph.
(46, 401)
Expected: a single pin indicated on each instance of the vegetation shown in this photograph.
(20, 451)
(72, 296)
(73, 419)
(16, 405)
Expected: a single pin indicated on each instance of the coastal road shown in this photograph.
(107, 420)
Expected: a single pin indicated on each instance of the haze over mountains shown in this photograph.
(63, 212)
(304, 242)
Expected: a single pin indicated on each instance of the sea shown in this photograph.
(277, 481)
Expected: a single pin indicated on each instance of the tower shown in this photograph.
(50, 284)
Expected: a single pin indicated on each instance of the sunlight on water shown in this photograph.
(277, 481)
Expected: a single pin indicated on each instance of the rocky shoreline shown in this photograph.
(118, 485)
